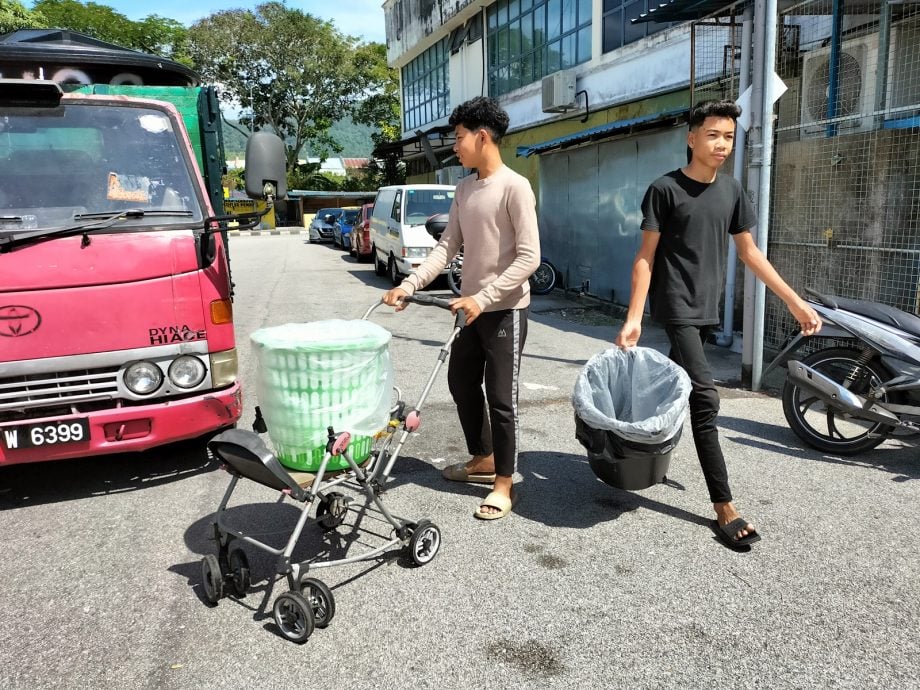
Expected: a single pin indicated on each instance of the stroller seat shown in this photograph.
(246, 455)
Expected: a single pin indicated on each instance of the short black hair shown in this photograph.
(704, 109)
(481, 112)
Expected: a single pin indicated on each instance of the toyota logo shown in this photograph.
(16, 320)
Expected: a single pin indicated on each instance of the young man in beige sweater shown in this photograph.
(494, 219)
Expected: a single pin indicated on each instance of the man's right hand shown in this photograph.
(629, 335)
(396, 298)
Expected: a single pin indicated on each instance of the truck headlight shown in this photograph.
(186, 371)
(416, 252)
(223, 368)
(143, 378)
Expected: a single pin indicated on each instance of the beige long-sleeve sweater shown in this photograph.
(495, 221)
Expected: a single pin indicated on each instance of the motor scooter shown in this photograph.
(542, 281)
(862, 386)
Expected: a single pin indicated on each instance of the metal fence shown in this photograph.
(845, 217)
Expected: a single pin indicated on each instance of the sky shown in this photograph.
(361, 18)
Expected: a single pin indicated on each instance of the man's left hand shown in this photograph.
(469, 306)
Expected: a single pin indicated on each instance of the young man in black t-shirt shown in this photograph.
(687, 216)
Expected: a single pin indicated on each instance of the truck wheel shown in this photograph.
(393, 272)
(380, 269)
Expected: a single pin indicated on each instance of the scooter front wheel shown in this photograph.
(824, 427)
(454, 277)
(543, 279)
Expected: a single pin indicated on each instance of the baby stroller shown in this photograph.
(327, 497)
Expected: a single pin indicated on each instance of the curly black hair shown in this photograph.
(713, 108)
(481, 112)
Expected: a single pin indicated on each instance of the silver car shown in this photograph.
(322, 224)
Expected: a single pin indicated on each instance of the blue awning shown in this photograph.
(604, 131)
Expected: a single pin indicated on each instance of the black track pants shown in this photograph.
(489, 350)
(687, 351)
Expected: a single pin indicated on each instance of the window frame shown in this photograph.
(426, 86)
(511, 66)
(627, 30)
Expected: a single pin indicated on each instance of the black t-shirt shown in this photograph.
(695, 220)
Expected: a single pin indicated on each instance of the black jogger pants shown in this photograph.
(489, 350)
(687, 351)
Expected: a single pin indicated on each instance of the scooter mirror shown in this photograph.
(436, 225)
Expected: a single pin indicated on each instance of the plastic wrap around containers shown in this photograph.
(324, 373)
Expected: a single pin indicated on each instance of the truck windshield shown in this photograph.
(57, 165)
(421, 204)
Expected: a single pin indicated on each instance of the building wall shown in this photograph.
(414, 25)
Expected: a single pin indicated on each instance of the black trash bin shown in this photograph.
(630, 407)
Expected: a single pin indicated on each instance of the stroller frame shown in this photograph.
(309, 603)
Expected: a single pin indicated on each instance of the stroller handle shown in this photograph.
(431, 301)
(460, 316)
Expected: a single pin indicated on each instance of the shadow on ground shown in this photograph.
(65, 480)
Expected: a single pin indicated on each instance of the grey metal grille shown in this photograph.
(54, 390)
(845, 207)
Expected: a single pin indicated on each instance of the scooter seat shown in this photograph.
(891, 316)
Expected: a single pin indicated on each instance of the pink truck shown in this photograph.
(116, 321)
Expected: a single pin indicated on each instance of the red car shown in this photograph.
(361, 235)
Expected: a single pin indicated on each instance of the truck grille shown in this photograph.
(22, 396)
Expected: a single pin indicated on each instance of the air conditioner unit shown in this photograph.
(903, 75)
(855, 87)
(559, 91)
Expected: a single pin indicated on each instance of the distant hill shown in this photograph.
(354, 139)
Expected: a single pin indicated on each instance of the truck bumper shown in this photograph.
(130, 429)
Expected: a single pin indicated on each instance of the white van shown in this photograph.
(398, 233)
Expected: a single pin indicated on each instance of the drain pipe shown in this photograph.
(726, 337)
(763, 217)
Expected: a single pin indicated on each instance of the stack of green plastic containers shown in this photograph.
(324, 373)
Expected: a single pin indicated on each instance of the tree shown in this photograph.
(295, 73)
(153, 34)
(14, 16)
(380, 109)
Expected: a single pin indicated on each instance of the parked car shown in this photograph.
(321, 227)
(341, 231)
(361, 246)
(398, 233)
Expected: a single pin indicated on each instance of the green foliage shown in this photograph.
(234, 179)
(379, 108)
(296, 71)
(153, 34)
(14, 16)
(354, 139)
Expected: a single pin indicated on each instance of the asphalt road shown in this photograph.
(583, 586)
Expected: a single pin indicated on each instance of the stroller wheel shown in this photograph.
(294, 616)
(331, 510)
(320, 598)
(212, 579)
(424, 542)
(239, 573)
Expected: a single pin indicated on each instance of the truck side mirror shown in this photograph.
(265, 165)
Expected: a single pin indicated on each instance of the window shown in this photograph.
(619, 31)
(425, 87)
(529, 39)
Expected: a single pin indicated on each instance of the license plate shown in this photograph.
(44, 434)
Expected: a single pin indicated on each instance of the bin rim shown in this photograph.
(323, 336)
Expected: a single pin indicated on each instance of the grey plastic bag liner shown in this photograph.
(323, 373)
(639, 394)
